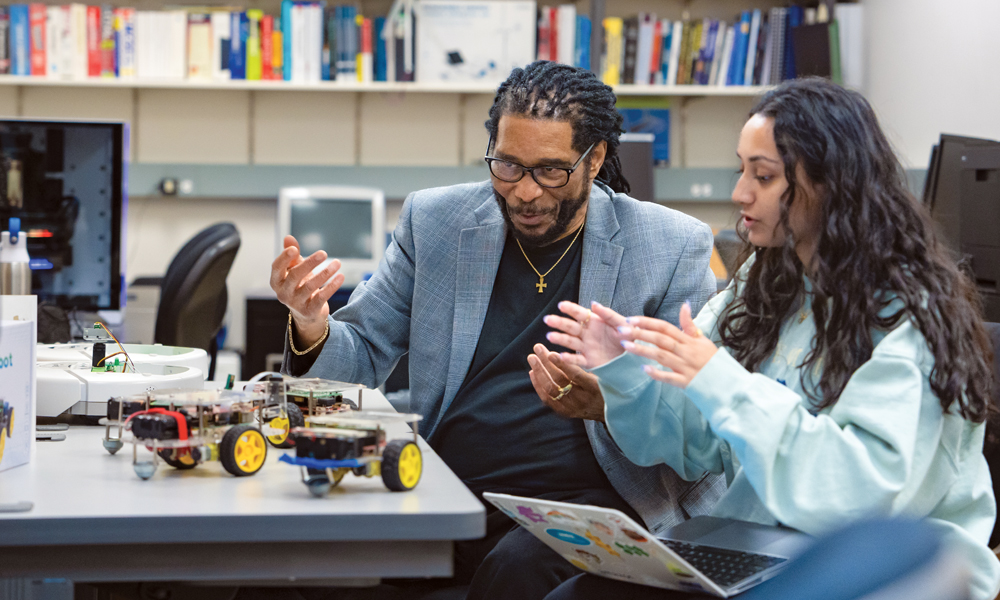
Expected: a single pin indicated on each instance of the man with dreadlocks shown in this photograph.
(471, 271)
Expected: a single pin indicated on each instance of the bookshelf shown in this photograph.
(373, 87)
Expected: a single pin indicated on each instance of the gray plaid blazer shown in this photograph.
(430, 293)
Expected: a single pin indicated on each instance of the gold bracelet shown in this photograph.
(310, 348)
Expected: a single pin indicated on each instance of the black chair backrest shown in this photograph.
(991, 448)
(193, 296)
(728, 243)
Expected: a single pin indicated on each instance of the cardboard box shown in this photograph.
(17, 392)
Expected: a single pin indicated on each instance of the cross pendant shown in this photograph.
(541, 285)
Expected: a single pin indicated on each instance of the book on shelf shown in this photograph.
(254, 65)
(366, 57)
(326, 61)
(310, 41)
(109, 56)
(53, 27)
(124, 43)
(630, 33)
(676, 36)
(277, 50)
(566, 41)
(237, 44)
(613, 54)
(37, 14)
(267, 47)
(199, 40)
(379, 48)
(221, 32)
(647, 24)
(4, 40)
(20, 45)
(542, 47)
(581, 52)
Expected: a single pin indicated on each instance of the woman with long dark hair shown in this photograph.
(845, 372)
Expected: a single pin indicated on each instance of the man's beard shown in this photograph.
(567, 211)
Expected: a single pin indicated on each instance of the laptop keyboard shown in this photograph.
(725, 567)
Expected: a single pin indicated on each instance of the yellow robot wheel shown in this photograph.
(293, 420)
(402, 465)
(242, 450)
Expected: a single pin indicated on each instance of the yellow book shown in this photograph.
(611, 70)
(253, 44)
(277, 55)
(697, 33)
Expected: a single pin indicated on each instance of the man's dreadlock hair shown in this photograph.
(549, 90)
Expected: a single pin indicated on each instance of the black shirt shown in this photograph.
(497, 435)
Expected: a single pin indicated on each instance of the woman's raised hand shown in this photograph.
(682, 351)
(591, 334)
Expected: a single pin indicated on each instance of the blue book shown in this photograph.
(342, 41)
(354, 35)
(239, 30)
(665, 52)
(707, 54)
(381, 62)
(739, 62)
(328, 37)
(794, 19)
(581, 56)
(20, 40)
(286, 39)
(347, 39)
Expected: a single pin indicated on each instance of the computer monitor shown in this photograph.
(66, 181)
(963, 193)
(347, 222)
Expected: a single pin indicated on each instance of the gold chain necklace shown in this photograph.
(541, 285)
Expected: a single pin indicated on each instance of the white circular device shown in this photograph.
(67, 383)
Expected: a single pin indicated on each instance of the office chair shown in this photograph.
(728, 243)
(872, 560)
(193, 294)
(991, 447)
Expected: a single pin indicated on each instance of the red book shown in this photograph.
(94, 41)
(554, 35)
(655, 60)
(36, 19)
(544, 53)
(267, 47)
(366, 36)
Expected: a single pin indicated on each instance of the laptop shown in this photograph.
(712, 555)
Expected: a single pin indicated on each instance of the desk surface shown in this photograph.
(85, 498)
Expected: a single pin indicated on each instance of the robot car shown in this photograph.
(333, 444)
(187, 427)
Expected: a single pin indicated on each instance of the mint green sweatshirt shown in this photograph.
(884, 449)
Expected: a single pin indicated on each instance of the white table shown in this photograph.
(95, 520)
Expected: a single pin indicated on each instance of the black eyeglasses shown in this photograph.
(547, 177)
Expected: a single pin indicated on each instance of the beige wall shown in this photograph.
(932, 70)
